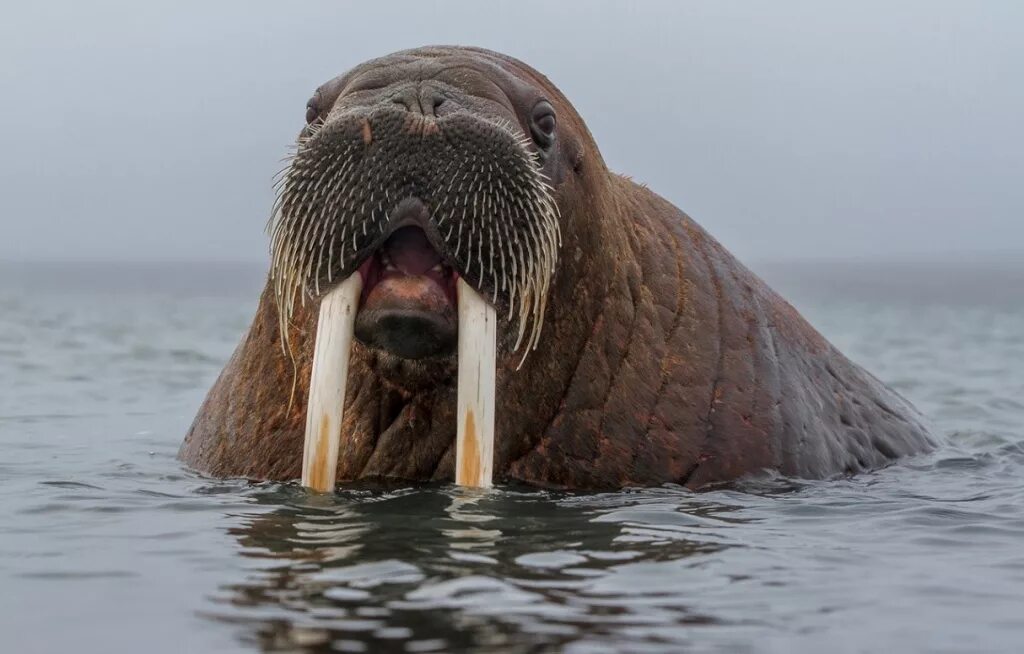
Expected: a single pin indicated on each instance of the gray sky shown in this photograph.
(151, 130)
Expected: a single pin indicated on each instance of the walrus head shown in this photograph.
(413, 171)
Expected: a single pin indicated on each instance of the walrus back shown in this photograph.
(781, 396)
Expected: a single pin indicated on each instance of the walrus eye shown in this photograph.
(542, 124)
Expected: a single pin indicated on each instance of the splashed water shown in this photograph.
(108, 544)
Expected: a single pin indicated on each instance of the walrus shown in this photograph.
(633, 349)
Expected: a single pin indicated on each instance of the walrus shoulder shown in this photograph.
(781, 396)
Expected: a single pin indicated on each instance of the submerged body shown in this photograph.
(661, 358)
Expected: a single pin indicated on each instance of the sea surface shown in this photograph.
(108, 544)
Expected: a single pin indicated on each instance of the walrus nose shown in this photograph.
(425, 99)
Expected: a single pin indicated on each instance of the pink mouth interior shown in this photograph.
(408, 254)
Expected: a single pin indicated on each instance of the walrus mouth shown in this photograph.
(402, 224)
(408, 254)
(409, 296)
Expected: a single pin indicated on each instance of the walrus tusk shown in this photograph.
(327, 384)
(474, 444)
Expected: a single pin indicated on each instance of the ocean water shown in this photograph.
(107, 544)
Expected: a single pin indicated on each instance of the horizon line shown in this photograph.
(966, 256)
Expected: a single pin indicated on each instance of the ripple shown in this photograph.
(74, 485)
(72, 575)
(370, 575)
(558, 559)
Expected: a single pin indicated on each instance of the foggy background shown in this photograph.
(149, 131)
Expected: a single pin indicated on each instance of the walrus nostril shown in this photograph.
(425, 100)
(407, 99)
(429, 100)
(434, 101)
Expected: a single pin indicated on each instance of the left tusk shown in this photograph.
(327, 384)
(474, 444)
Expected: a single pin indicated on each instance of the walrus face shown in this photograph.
(414, 172)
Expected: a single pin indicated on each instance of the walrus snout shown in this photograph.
(468, 192)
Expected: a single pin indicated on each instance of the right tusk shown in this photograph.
(474, 444)
(327, 384)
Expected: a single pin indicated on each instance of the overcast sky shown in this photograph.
(151, 130)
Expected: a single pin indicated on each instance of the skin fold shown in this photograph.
(662, 358)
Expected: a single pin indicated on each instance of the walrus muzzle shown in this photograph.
(398, 222)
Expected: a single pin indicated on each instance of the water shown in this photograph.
(108, 545)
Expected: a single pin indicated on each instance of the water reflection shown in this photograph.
(442, 568)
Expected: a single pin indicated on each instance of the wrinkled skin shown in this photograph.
(662, 359)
